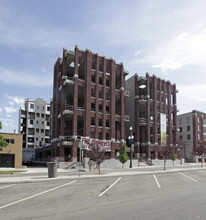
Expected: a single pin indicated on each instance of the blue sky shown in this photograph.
(162, 37)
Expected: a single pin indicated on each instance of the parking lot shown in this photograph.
(177, 195)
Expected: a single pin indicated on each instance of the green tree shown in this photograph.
(123, 157)
(3, 143)
(173, 158)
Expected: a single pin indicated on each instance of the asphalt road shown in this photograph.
(171, 196)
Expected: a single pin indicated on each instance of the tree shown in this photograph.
(200, 151)
(123, 157)
(166, 152)
(173, 157)
(97, 154)
(3, 143)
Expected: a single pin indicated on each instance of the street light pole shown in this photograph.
(131, 137)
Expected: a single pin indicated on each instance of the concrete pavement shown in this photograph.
(37, 174)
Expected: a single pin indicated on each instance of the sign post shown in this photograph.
(80, 156)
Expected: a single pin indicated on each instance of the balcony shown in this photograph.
(126, 118)
(68, 110)
(142, 122)
(68, 140)
(127, 93)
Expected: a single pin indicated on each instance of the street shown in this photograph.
(177, 195)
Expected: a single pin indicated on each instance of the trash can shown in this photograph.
(52, 169)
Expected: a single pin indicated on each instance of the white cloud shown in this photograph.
(24, 79)
(7, 123)
(15, 99)
(0, 109)
(9, 110)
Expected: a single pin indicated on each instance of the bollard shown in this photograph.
(52, 169)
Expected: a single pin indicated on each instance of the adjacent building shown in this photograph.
(11, 156)
(192, 132)
(153, 113)
(34, 123)
(88, 105)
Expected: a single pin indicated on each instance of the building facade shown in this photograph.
(152, 104)
(34, 123)
(88, 104)
(11, 156)
(192, 132)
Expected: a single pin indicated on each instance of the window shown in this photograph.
(188, 120)
(30, 139)
(37, 138)
(42, 130)
(43, 108)
(198, 136)
(93, 121)
(100, 81)
(47, 123)
(92, 134)
(100, 136)
(9, 141)
(100, 94)
(37, 130)
(48, 108)
(107, 110)
(188, 128)
(31, 122)
(100, 122)
(180, 129)
(180, 137)
(107, 123)
(37, 122)
(107, 136)
(188, 137)
(108, 96)
(107, 83)
(32, 106)
(42, 122)
(100, 108)
(93, 78)
(93, 65)
(101, 67)
(42, 115)
(93, 107)
(93, 93)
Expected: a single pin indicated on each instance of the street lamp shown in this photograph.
(131, 137)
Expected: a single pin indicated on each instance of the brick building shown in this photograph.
(88, 104)
(152, 101)
(11, 155)
(192, 132)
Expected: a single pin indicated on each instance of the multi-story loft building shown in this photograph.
(152, 109)
(34, 123)
(192, 132)
(88, 104)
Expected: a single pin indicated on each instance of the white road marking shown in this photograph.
(188, 177)
(156, 181)
(7, 186)
(110, 187)
(38, 194)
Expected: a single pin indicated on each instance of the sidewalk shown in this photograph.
(41, 174)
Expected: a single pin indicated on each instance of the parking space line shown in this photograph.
(156, 181)
(109, 187)
(188, 177)
(38, 194)
(3, 187)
